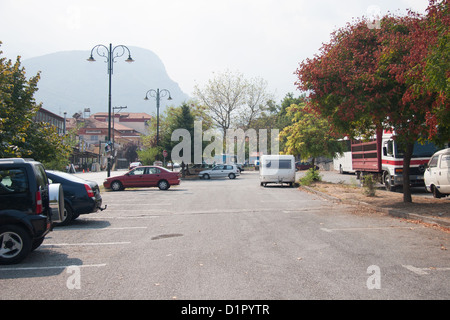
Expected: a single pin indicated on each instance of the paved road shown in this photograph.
(232, 239)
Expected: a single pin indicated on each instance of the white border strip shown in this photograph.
(55, 267)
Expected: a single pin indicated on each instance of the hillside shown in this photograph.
(70, 84)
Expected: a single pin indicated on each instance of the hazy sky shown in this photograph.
(193, 38)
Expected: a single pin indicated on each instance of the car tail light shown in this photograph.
(89, 191)
(38, 202)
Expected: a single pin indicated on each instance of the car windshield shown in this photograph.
(420, 150)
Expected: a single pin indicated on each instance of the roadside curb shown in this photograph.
(392, 212)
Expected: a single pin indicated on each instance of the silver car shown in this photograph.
(220, 171)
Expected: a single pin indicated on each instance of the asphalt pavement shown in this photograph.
(224, 240)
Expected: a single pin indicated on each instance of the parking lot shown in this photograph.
(230, 239)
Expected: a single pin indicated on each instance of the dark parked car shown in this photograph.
(28, 207)
(80, 196)
(304, 166)
(145, 176)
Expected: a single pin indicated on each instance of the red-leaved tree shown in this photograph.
(366, 79)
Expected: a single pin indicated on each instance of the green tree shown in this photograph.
(182, 120)
(47, 146)
(20, 136)
(309, 135)
(182, 117)
(17, 108)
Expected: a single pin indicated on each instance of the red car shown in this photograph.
(145, 176)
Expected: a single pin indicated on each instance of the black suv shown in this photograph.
(28, 207)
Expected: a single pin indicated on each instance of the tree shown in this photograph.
(130, 152)
(183, 120)
(433, 73)
(17, 108)
(182, 117)
(47, 146)
(361, 82)
(232, 100)
(309, 135)
(20, 136)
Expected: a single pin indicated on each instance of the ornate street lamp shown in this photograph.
(110, 54)
(158, 95)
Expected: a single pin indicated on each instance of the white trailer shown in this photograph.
(278, 169)
(343, 163)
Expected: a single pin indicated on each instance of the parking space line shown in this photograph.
(55, 267)
(138, 204)
(152, 215)
(423, 271)
(83, 244)
(365, 228)
(100, 228)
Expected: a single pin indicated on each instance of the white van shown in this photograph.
(277, 169)
(437, 174)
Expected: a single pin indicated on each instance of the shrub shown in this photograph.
(369, 185)
(310, 177)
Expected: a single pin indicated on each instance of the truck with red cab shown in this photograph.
(382, 156)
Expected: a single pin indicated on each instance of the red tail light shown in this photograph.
(89, 191)
(38, 202)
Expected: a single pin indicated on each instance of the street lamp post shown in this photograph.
(113, 149)
(158, 95)
(110, 54)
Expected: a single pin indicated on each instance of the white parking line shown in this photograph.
(365, 228)
(422, 271)
(112, 204)
(99, 228)
(54, 267)
(83, 244)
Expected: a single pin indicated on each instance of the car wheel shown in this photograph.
(436, 192)
(163, 185)
(116, 186)
(206, 176)
(387, 182)
(231, 176)
(67, 216)
(15, 244)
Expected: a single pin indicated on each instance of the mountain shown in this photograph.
(69, 83)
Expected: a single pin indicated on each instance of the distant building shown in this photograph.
(136, 121)
(92, 135)
(46, 116)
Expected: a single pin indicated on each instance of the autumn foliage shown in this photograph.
(395, 76)
(366, 78)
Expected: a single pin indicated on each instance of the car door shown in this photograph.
(151, 177)
(430, 174)
(227, 170)
(134, 178)
(443, 174)
(218, 171)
